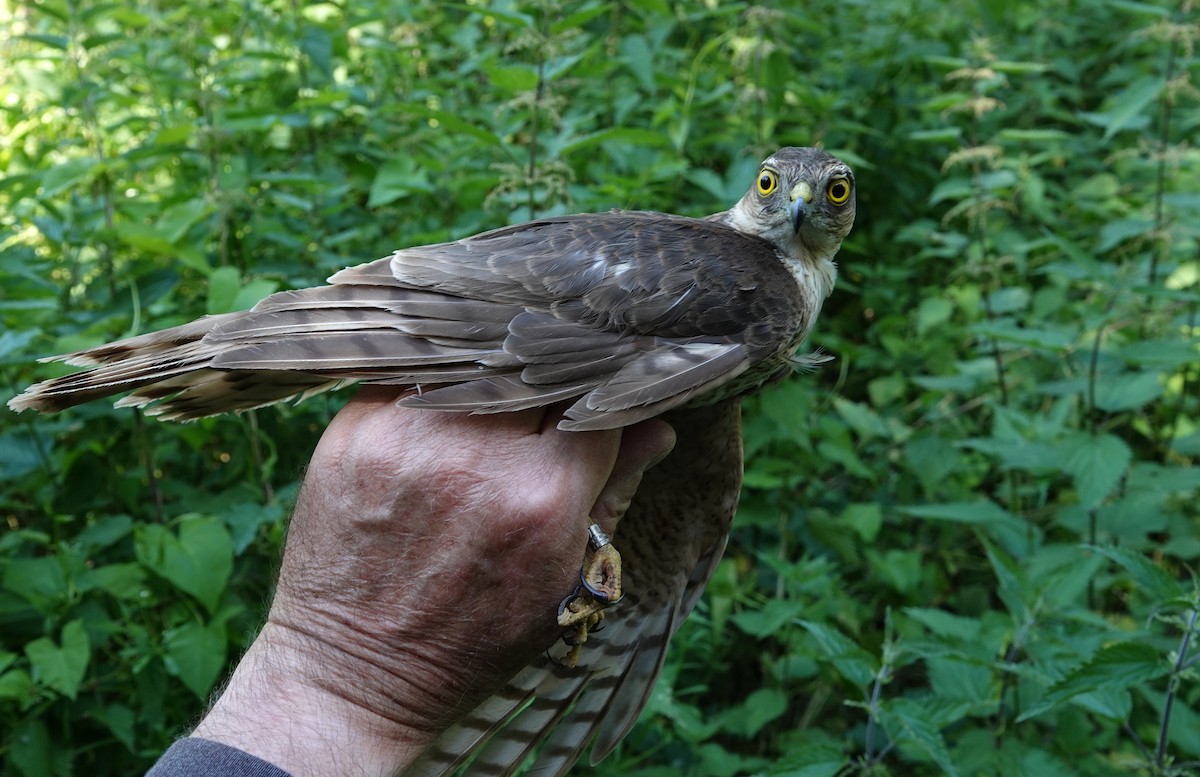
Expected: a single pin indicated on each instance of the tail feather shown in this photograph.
(556, 712)
(142, 345)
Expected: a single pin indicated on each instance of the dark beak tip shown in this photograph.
(798, 212)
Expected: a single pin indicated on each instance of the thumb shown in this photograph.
(642, 446)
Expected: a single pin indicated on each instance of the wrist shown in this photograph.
(291, 703)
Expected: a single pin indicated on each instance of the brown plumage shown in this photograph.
(628, 314)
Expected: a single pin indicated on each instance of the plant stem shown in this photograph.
(538, 95)
(264, 479)
(1160, 752)
(1164, 137)
(148, 463)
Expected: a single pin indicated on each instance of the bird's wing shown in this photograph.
(671, 539)
(629, 314)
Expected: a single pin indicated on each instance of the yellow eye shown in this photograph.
(767, 182)
(838, 191)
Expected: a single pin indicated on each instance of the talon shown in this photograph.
(581, 613)
(567, 600)
(601, 574)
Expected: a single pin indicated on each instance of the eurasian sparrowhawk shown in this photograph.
(629, 315)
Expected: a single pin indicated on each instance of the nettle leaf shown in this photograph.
(861, 418)
(1097, 463)
(1128, 391)
(178, 219)
(69, 174)
(512, 78)
(760, 708)
(1130, 102)
(999, 523)
(1184, 729)
(399, 177)
(770, 618)
(1010, 581)
(865, 518)
(914, 729)
(318, 47)
(820, 758)
(851, 661)
(945, 624)
(1114, 667)
(1146, 575)
(198, 561)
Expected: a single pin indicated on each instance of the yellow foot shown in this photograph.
(599, 588)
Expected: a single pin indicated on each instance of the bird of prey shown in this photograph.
(629, 315)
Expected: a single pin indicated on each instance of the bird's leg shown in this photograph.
(599, 587)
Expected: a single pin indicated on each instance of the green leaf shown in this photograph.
(1005, 527)
(451, 121)
(105, 532)
(18, 455)
(1119, 666)
(223, 286)
(861, 418)
(1130, 102)
(253, 292)
(195, 653)
(31, 749)
(933, 313)
(1146, 575)
(770, 619)
(512, 78)
(197, 562)
(1096, 463)
(398, 178)
(945, 624)
(14, 343)
(318, 47)
(851, 661)
(172, 134)
(40, 581)
(939, 135)
(635, 53)
(817, 755)
(67, 175)
(120, 720)
(761, 708)
(1036, 136)
(913, 728)
(61, 668)
(622, 135)
(865, 518)
(16, 684)
(124, 581)
(178, 219)
(1128, 391)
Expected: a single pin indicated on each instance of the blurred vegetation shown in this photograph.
(967, 547)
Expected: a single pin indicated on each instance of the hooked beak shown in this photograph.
(800, 196)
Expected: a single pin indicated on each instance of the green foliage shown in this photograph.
(967, 547)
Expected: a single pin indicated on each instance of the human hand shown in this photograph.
(425, 562)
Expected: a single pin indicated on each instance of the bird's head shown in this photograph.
(802, 200)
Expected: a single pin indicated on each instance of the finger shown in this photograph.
(642, 446)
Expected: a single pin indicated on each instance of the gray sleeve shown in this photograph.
(195, 757)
